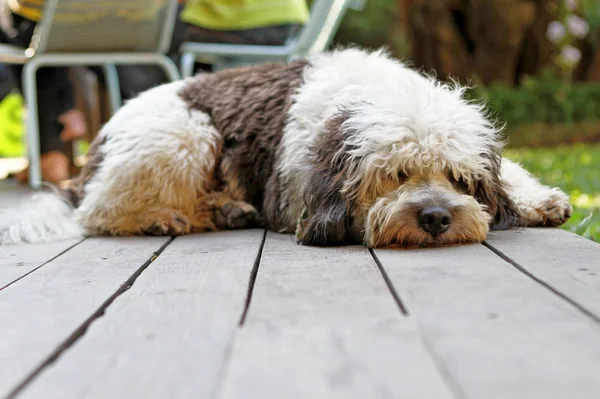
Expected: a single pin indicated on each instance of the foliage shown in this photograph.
(373, 27)
(591, 12)
(575, 169)
(545, 99)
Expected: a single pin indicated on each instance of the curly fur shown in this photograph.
(344, 147)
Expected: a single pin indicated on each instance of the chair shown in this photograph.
(107, 33)
(315, 36)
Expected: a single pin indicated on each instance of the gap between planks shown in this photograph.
(252, 280)
(389, 284)
(579, 307)
(323, 323)
(42, 265)
(190, 300)
(81, 330)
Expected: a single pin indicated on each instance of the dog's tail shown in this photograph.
(45, 217)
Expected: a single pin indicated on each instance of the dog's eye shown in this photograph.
(462, 185)
(402, 176)
(459, 183)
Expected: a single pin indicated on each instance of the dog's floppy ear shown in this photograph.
(504, 212)
(327, 212)
(328, 220)
(492, 193)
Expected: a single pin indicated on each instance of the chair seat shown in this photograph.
(13, 54)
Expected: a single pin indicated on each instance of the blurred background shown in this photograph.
(536, 63)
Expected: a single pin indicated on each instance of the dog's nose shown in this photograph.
(434, 220)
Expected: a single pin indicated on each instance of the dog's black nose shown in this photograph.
(434, 220)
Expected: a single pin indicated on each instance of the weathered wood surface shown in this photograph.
(499, 333)
(18, 260)
(323, 324)
(564, 261)
(516, 319)
(169, 335)
(39, 312)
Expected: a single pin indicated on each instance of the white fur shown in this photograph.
(157, 152)
(538, 204)
(406, 121)
(46, 217)
(156, 160)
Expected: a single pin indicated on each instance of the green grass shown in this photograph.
(575, 169)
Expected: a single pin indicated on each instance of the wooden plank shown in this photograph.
(499, 333)
(41, 311)
(168, 336)
(323, 324)
(18, 260)
(565, 261)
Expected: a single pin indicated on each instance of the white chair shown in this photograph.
(315, 36)
(125, 32)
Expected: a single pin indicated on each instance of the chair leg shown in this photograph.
(187, 64)
(113, 87)
(169, 67)
(32, 124)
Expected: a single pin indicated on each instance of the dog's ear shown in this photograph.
(492, 192)
(505, 214)
(328, 218)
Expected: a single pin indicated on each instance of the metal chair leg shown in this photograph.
(113, 87)
(169, 67)
(32, 123)
(187, 64)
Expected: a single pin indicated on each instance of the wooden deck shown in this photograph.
(249, 314)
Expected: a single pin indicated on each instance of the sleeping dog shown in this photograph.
(343, 147)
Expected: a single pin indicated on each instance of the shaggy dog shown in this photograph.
(344, 147)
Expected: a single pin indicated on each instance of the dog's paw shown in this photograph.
(171, 224)
(551, 211)
(237, 215)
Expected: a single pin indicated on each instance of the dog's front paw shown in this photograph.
(170, 224)
(237, 215)
(552, 210)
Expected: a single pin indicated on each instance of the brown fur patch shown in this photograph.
(249, 107)
(76, 190)
(494, 195)
(330, 213)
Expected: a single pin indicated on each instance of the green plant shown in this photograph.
(372, 27)
(547, 99)
(575, 169)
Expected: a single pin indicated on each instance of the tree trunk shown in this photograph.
(593, 74)
(487, 40)
(437, 43)
(588, 69)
